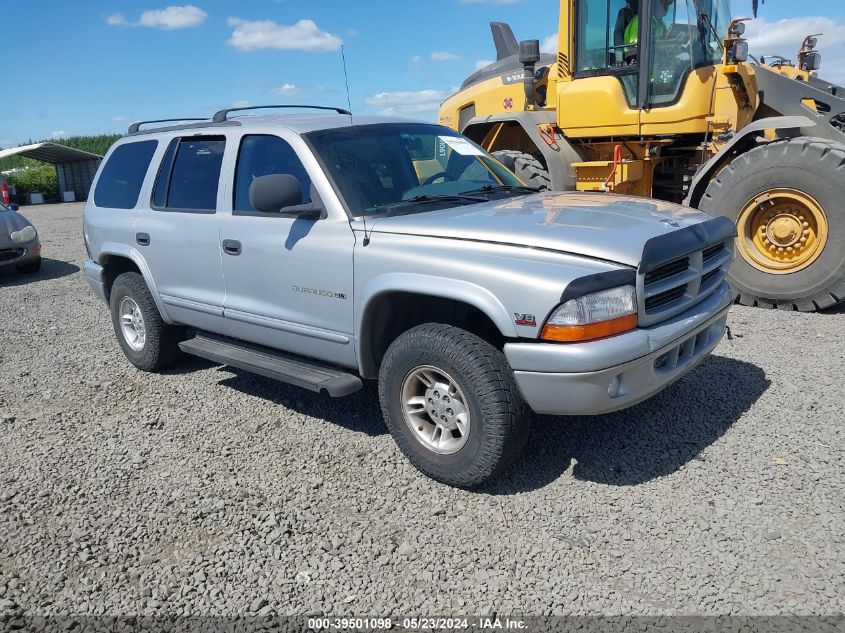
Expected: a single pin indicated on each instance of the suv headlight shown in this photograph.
(596, 315)
(26, 234)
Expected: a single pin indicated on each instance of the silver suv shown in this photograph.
(323, 250)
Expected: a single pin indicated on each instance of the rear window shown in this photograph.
(123, 175)
(190, 175)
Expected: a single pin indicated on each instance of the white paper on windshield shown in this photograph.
(462, 146)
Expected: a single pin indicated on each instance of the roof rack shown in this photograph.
(136, 127)
(223, 115)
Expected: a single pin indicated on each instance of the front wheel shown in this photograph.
(527, 168)
(786, 199)
(451, 403)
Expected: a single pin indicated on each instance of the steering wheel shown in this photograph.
(430, 180)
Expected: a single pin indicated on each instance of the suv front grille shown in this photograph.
(11, 254)
(667, 270)
(680, 283)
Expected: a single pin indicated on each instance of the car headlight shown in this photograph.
(26, 234)
(596, 315)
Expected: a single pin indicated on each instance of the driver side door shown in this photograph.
(288, 280)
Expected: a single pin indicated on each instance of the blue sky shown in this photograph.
(93, 66)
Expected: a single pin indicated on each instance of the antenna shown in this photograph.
(366, 241)
(346, 78)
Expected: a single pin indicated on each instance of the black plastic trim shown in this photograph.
(600, 281)
(671, 246)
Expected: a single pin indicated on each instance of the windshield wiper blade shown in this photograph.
(502, 188)
(416, 201)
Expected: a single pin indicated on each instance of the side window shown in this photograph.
(123, 175)
(261, 155)
(190, 175)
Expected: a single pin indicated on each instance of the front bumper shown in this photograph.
(94, 277)
(615, 373)
(18, 255)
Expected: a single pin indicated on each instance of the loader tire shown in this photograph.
(527, 168)
(787, 200)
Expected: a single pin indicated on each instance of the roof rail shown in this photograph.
(136, 127)
(222, 115)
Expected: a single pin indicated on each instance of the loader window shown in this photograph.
(604, 44)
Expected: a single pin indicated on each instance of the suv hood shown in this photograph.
(612, 228)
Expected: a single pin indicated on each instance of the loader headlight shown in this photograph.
(593, 316)
(26, 234)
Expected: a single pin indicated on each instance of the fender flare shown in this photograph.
(559, 161)
(127, 252)
(785, 126)
(415, 283)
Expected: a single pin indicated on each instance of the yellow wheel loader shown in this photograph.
(660, 98)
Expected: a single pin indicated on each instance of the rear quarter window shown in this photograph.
(123, 175)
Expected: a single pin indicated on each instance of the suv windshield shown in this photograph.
(392, 168)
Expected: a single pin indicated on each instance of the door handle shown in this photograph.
(232, 247)
(143, 239)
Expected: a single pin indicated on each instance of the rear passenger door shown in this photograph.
(289, 285)
(178, 233)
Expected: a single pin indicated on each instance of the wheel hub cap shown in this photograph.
(132, 324)
(782, 231)
(435, 410)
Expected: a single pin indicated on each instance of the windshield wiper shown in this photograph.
(502, 189)
(426, 199)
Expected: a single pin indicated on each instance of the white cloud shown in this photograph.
(483, 63)
(173, 18)
(305, 35)
(116, 19)
(240, 103)
(287, 90)
(416, 59)
(58, 134)
(167, 19)
(784, 37)
(119, 119)
(549, 45)
(408, 103)
(443, 56)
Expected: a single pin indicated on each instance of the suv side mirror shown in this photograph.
(281, 193)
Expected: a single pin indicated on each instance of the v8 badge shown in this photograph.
(524, 319)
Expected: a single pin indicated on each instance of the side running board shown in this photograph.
(273, 364)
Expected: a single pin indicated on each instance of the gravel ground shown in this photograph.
(210, 491)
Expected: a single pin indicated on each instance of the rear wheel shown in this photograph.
(452, 404)
(527, 168)
(786, 199)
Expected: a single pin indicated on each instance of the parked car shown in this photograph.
(19, 243)
(324, 251)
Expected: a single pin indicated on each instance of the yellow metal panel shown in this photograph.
(595, 106)
(592, 175)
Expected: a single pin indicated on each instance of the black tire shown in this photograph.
(527, 168)
(161, 347)
(30, 268)
(500, 419)
(813, 166)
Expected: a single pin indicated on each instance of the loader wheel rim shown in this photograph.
(782, 231)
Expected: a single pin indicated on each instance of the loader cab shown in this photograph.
(638, 54)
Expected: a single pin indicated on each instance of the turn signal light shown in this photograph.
(590, 332)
